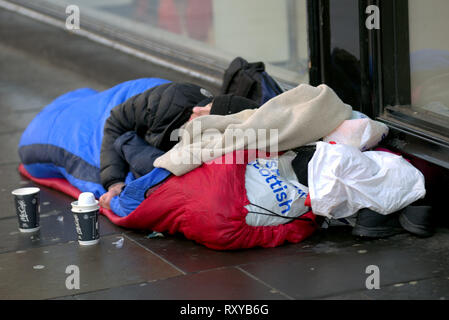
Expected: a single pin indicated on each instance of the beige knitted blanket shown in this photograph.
(295, 118)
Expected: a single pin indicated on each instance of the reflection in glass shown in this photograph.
(345, 51)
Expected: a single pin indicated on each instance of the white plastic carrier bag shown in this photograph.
(274, 191)
(342, 180)
(363, 134)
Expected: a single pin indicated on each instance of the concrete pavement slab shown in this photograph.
(40, 273)
(221, 284)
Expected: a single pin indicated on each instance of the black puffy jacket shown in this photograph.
(153, 115)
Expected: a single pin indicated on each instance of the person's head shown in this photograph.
(199, 111)
(222, 105)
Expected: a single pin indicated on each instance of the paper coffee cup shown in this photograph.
(85, 213)
(27, 203)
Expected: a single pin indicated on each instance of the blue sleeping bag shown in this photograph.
(64, 139)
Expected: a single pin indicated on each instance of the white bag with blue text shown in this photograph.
(274, 192)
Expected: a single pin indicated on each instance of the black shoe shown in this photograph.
(374, 225)
(417, 220)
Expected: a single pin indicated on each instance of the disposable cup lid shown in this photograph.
(86, 208)
(25, 191)
(86, 199)
(86, 202)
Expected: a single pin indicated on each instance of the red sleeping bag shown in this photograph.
(207, 205)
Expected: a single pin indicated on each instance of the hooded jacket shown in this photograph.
(154, 115)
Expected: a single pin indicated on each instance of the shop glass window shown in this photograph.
(429, 57)
(274, 32)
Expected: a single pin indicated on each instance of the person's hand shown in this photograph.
(201, 111)
(114, 190)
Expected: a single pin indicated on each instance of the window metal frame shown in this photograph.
(385, 77)
(386, 85)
